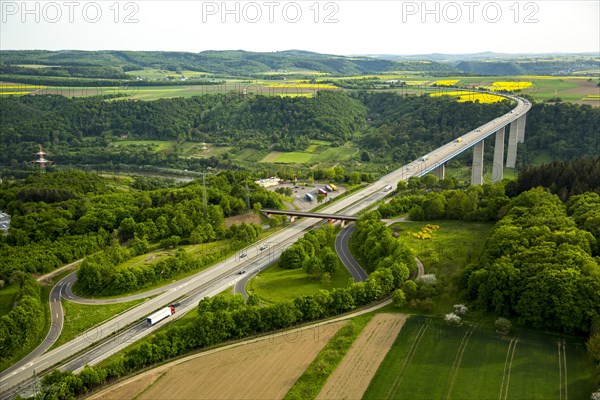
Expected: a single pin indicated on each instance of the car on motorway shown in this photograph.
(244, 254)
(261, 248)
(459, 140)
(242, 272)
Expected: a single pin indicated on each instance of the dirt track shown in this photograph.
(352, 377)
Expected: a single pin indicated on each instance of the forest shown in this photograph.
(60, 217)
(390, 128)
(79, 130)
(564, 178)
(25, 322)
(540, 264)
(233, 63)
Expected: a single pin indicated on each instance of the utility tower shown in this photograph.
(41, 161)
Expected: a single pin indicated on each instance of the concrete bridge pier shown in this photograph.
(521, 130)
(477, 166)
(498, 168)
(511, 156)
(440, 172)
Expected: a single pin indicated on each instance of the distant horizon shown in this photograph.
(590, 53)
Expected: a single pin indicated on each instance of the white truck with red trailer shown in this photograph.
(160, 315)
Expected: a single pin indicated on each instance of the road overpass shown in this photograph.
(225, 274)
(291, 213)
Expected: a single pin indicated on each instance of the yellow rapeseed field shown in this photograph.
(416, 83)
(465, 95)
(446, 82)
(299, 85)
(510, 86)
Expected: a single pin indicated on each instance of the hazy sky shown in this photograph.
(337, 27)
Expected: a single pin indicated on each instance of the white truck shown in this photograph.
(160, 315)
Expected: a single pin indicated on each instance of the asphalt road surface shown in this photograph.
(342, 248)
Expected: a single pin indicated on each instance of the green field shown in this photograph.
(81, 317)
(316, 152)
(7, 298)
(157, 74)
(154, 145)
(451, 248)
(292, 157)
(202, 150)
(276, 284)
(463, 173)
(430, 360)
(249, 155)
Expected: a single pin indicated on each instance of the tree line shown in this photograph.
(101, 273)
(564, 178)
(24, 324)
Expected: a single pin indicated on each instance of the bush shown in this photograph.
(399, 298)
(452, 319)
(427, 279)
(460, 309)
(503, 326)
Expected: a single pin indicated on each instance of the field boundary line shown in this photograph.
(560, 368)
(512, 356)
(458, 359)
(407, 361)
(506, 363)
(563, 368)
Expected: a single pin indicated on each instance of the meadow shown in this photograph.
(454, 245)
(433, 360)
(275, 284)
(316, 152)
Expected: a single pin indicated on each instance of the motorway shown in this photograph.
(224, 274)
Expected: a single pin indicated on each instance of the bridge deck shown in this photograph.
(310, 214)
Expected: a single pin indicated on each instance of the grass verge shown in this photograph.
(81, 317)
(314, 378)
